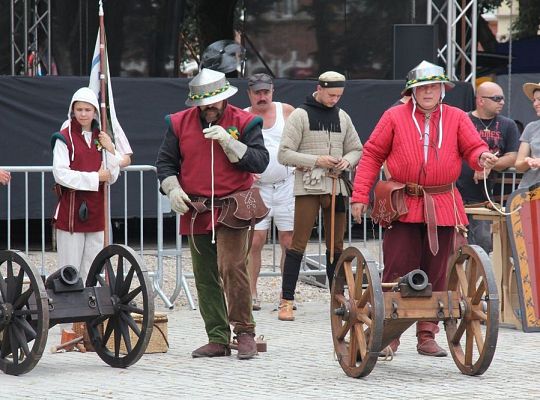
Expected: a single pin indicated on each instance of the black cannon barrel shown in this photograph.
(416, 279)
(68, 275)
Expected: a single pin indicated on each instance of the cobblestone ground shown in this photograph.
(299, 364)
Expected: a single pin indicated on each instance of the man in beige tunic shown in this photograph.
(320, 140)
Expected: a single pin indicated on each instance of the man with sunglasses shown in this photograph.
(502, 136)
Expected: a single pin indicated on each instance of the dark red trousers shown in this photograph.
(406, 247)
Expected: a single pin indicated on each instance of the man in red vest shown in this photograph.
(210, 151)
(423, 143)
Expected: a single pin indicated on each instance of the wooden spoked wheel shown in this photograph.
(472, 335)
(357, 313)
(24, 314)
(121, 339)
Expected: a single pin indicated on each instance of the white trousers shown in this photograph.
(78, 249)
(279, 198)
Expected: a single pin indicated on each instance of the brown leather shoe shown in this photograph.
(285, 310)
(247, 348)
(427, 346)
(211, 350)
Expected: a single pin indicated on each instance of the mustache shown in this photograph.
(210, 109)
(262, 102)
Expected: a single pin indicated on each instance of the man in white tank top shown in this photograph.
(276, 182)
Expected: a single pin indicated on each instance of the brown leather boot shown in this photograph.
(285, 310)
(211, 350)
(247, 348)
(427, 346)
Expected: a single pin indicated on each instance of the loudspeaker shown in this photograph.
(412, 44)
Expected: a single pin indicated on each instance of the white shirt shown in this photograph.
(275, 171)
(80, 180)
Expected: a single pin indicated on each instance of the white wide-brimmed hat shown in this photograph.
(529, 88)
(425, 73)
(209, 87)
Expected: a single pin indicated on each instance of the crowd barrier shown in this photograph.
(313, 268)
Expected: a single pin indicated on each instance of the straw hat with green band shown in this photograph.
(209, 87)
(425, 73)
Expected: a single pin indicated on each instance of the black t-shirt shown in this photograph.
(501, 134)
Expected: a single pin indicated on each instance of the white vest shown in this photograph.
(274, 172)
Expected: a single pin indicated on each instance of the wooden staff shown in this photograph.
(332, 215)
(103, 107)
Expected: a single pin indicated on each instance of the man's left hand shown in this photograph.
(234, 149)
(218, 133)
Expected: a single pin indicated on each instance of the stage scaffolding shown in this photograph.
(458, 55)
(30, 36)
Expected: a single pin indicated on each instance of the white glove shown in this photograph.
(314, 176)
(179, 199)
(234, 149)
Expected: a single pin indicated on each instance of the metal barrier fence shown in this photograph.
(143, 187)
(313, 265)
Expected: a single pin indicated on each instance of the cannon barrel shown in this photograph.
(68, 275)
(416, 280)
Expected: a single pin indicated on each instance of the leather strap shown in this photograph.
(200, 205)
(430, 216)
(71, 218)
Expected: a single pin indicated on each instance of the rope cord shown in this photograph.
(495, 206)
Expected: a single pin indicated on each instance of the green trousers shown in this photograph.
(222, 282)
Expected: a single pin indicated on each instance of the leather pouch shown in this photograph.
(388, 203)
(83, 212)
(243, 209)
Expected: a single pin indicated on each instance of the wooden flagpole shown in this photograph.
(103, 107)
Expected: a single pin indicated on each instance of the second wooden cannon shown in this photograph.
(365, 319)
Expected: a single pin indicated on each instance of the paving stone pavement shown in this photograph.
(299, 364)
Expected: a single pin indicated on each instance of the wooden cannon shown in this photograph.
(117, 290)
(365, 319)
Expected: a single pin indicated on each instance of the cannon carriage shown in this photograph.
(367, 314)
(117, 291)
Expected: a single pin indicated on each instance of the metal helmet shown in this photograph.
(209, 87)
(426, 73)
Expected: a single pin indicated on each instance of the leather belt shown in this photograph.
(201, 205)
(413, 189)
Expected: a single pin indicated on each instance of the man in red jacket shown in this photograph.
(423, 143)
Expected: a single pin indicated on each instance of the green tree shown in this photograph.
(527, 22)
